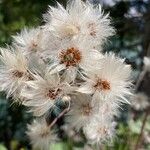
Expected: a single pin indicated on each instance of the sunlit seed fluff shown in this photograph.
(13, 72)
(79, 19)
(28, 40)
(140, 101)
(110, 82)
(34, 41)
(100, 130)
(42, 93)
(109, 110)
(74, 56)
(41, 135)
(81, 111)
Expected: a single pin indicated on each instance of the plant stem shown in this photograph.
(138, 143)
(60, 115)
(141, 76)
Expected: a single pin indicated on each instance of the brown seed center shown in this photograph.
(70, 57)
(102, 85)
(17, 74)
(53, 93)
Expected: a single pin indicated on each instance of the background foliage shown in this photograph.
(131, 19)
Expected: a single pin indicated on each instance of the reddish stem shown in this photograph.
(59, 116)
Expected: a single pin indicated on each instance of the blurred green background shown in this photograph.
(131, 18)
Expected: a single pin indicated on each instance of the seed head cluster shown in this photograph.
(62, 62)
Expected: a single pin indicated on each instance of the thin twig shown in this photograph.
(60, 115)
(141, 76)
(137, 145)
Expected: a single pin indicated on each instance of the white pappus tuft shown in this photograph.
(100, 130)
(13, 72)
(140, 101)
(110, 82)
(79, 19)
(41, 135)
(74, 57)
(42, 93)
(82, 111)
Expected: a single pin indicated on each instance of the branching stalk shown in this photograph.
(60, 115)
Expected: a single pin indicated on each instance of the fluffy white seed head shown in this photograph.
(41, 135)
(110, 82)
(79, 19)
(140, 101)
(13, 71)
(74, 56)
(35, 41)
(81, 111)
(42, 93)
(100, 130)
(29, 40)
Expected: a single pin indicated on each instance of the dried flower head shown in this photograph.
(42, 93)
(81, 112)
(74, 56)
(100, 130)
(41, 135)
(140, 101)
(110, 82)
(13, 72)
(79, 19)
